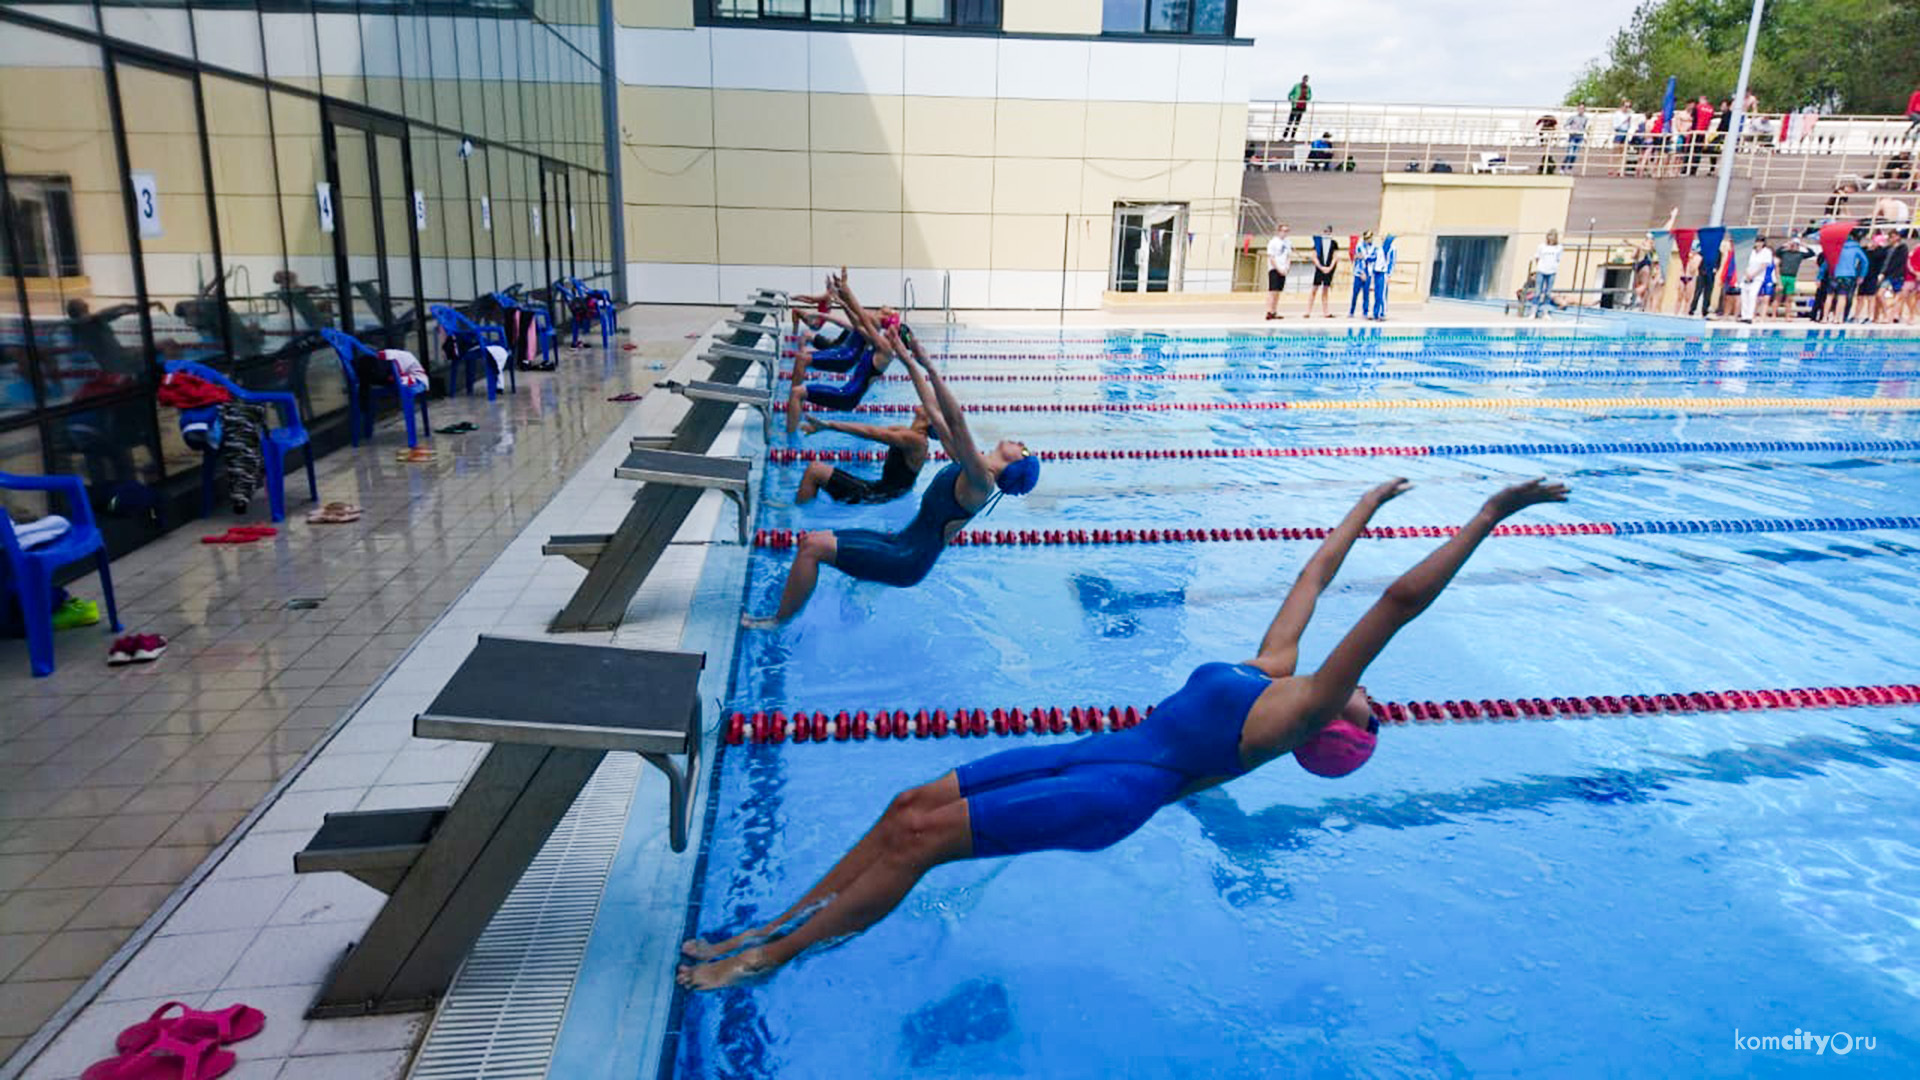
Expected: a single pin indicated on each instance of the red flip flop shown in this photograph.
(167, 1057)
(228, 1025)
(230, 537)
(256, 531)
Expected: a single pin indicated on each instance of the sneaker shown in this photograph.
(75, 612)
(122, 650)
(148, 647)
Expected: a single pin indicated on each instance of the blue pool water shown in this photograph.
(1615, 897)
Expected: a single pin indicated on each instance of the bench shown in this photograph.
(552, 711)
(731, 476)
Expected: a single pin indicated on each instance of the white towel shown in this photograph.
(42, 531)
(408, 367)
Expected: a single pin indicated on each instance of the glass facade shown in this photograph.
(919, 14)
(218, 182)
(1194, 18)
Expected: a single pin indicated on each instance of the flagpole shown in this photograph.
(1739, 118)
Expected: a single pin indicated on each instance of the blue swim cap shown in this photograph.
(1019, 477)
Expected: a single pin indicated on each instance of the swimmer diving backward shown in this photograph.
(907, 446)
(958, 492)
(1084, 795)
(862, 354)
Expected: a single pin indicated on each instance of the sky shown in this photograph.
(1453, 52)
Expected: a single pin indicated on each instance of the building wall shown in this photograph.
(1417, 207)
(223, 108)
(758, 157)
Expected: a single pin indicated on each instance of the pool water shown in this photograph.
(1619, 896)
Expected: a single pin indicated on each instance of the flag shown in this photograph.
(1666, 104)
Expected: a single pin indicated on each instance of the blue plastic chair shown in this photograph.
(470, 341)
(542, 322)
(573, 290)
(359, 416)
(275, 442)
(29, 572)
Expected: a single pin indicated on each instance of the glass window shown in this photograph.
(968, 13)
(1210, 17)
(247, 206)
(112, 447)
(305, 293)
(1195, 17)
(434, 156)
(20, 455)
(342, 70)
(16, 384)
(1169, 16)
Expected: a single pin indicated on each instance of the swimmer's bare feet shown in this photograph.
(702, 949)
(722, 973)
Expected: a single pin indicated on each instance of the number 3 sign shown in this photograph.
(146, 203)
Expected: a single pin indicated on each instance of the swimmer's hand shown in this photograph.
(1399, 485)
(810, 425)
(1510, 501)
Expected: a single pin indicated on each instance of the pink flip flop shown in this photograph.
(224, 1026)
(167, 1057)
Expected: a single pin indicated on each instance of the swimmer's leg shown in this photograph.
(797, 386)
(815, 548)
(851, 865)
(902, 848)
(812, 480)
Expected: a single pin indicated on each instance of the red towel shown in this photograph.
(184, 390)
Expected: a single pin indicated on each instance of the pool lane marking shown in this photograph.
(1678, 404)
(773, 726)
(1418, 374)
(787, 539)
(785, 456)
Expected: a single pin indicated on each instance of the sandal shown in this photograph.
(167, 1057)
(228, 1025)
(419, 455)
(334, 513)
(628, 396)
(460, 428)
(236, 535)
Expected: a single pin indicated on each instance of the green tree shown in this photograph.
(1845, 56)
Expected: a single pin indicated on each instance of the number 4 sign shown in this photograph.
(323, 195)
(146, 203)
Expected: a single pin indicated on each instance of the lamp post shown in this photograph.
(1738, 120)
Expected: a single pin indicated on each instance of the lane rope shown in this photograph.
(776, 727)
(1406, 375)
(1682, 404)
(787, 539)
(784, 456)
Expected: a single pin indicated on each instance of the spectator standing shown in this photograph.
(1279, 261)
(1847, 272)
(1870, 281)
(1623, 127)
(1326, 254)
(1576, 135)
(1297, 99)
(1711, 239)
(1362, 258)
(1913, 115)
(1758, 281)
(1788, 261)
(1893, 279)
(1382, 266)
(1546, 263)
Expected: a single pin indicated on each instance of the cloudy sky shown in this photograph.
(1467, 52)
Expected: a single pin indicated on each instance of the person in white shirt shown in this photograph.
(1758, 280)
(1279, 261)
(1546, 263)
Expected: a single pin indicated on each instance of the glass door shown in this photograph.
(375, 236)
(1149, 247)
(556, 201)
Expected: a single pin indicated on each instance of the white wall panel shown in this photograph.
(1053, 70)
(952, 66)
(675, 283)
(1129, 71)
(847, 63)
(664, 57)
(339, 37)
(760, 59)
(230, 39)
(1203, 72)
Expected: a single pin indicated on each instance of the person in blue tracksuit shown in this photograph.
(1382, 265)
(1363, 253)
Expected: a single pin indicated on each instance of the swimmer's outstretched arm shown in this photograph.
(895, 435)
(1280, 648)
(946, 409)
(1406, 598)
(864, 322)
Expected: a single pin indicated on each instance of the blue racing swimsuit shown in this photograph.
(1093, 792)
(903, 558)
(845, 395)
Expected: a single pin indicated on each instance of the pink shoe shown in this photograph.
(122, 650)
(167, 1057)
(228, 1025)
(147, 648)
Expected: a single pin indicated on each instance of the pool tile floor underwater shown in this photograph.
(118, 782)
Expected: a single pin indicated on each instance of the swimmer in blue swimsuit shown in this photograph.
(862, 354)
(1083, 795)
(907, 446)
(957, 493)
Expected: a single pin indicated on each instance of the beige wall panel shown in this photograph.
(856, 182)
(858, 123)
(670, 14)
(173, 161)
(761, 179)
(300, 167)
(953, 185)
(1024, 128)
(250, 224)
(241, 165)
(843, 238)
(1106, 181)
(1129, 129)
(1051, 16)
(1028, 242)
(1036, 185)
(766, 237)
(759, 119)
(944, 125)
(666, 234)
(234, 108)
(384, 93)
(668, 175)
(1233, 134)
(1194, 181)
(1196, 131)
(301, 216)
(947, 241)
(667, 116)
(1214, 240)
(100, 219)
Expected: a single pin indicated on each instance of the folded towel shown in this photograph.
(43, 531)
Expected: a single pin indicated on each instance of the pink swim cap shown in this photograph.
(1337, 750)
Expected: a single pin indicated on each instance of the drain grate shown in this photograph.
(304, 603)
(500, 1020)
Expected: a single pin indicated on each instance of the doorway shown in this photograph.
(1463, 266)
(376, 240)
(556, 242)
(1149, 246)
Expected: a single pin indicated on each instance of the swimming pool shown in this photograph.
(1619, 895)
